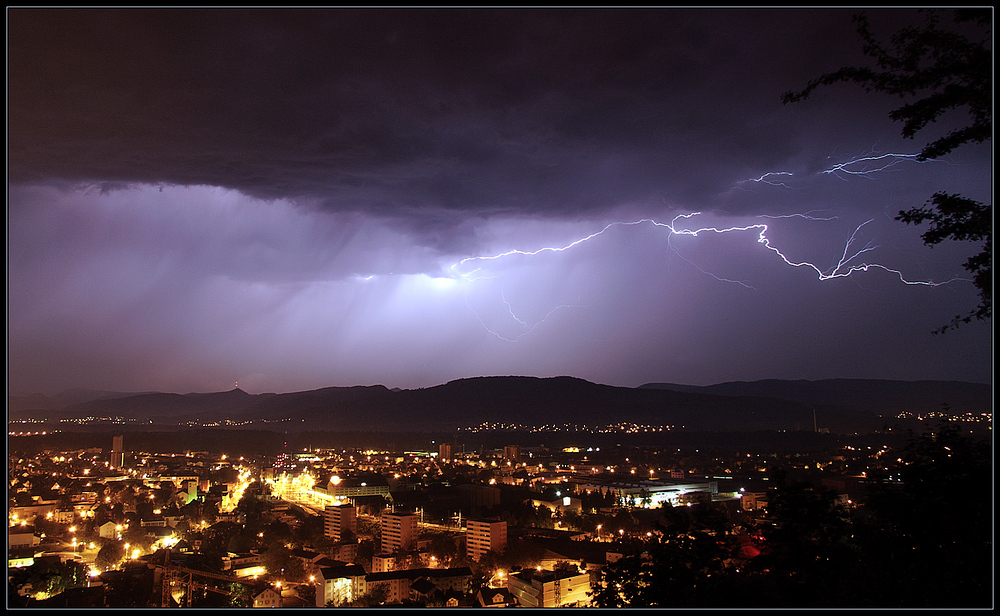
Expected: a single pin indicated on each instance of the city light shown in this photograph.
(573, 493)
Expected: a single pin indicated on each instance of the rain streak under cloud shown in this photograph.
(300, 199)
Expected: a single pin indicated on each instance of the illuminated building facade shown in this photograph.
(118, 451)
(400, 584)
(652, 493)
(339, 518)
(482, 536)
(445, 451)
(348, 488)
(533, 588)
(399, 531)
(339, 585)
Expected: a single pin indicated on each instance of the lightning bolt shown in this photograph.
(848, 263)
(806, 215)
(841, 270)
(707, 273)
(864, 166)
(867, 166)
(766, 179)
(528, 328)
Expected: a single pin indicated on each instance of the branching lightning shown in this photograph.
(865, 166)
(840, 270)
(849, 262)
(528, 328)
(806, 215)
(766, 179)
(708, 273)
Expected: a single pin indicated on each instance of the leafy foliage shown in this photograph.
(110, 555)
(684, 564)
(961, 219)
(948, 68)
(133, 589)
(442, 546)
(945, 69)
(920, 540)
(931, 530)
(377, 595)
(48, 578)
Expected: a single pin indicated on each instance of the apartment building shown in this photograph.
(117, 452)
(482, 536)
(397, 561)
(339, 585)
(544, 588)
(340, 518)
(445, 452)
(398, 584)
(399, 531)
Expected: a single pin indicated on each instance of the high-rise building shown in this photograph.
(118, 451)
(482, 536)
(339, 518)
(512, 453)
(444, 452)
(399, 531)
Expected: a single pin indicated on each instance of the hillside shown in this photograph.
(870, 396)
(842, 406)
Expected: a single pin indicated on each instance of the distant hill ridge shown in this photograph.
(842, 405)
(866, 395)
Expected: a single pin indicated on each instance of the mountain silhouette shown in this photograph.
(840, 405)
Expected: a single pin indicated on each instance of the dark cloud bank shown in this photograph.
(277, 197)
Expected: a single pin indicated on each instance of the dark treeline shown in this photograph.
(922, 538)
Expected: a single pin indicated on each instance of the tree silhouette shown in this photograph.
(809, 549)
(681, 566)
(945, 68)
(377, 594)
(929, 532)
(48, 578)
(961, 219)
(311, 530)
(110, 555)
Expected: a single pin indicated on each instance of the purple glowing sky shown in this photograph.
(288, 199)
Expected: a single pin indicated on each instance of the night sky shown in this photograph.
(291, 200)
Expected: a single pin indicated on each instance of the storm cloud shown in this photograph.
(292, 199)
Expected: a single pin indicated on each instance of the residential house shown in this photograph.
(495, 597)
(22, 537)
(267, 598)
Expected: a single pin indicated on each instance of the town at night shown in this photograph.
(592, 307)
